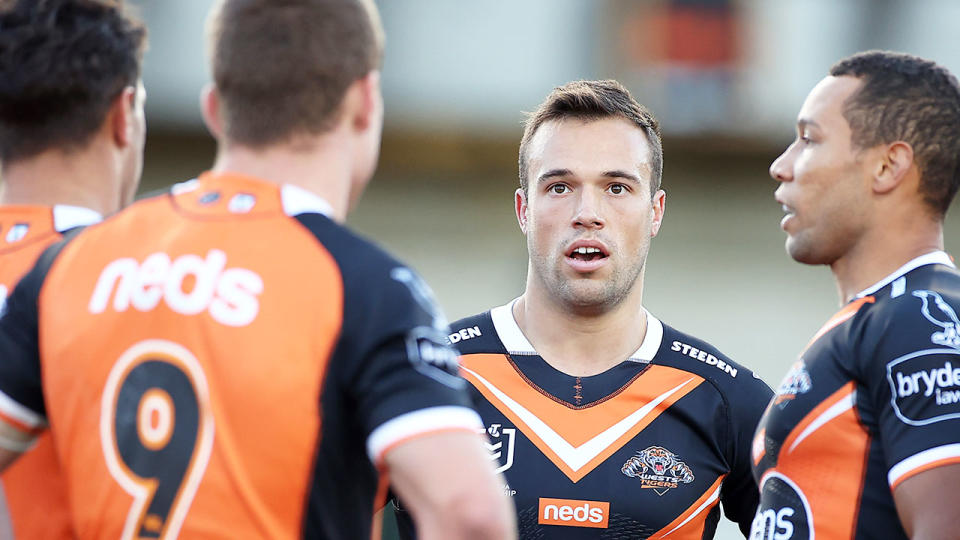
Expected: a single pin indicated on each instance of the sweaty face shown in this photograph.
(824, 186)
(588, 214)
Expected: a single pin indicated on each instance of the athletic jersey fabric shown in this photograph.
(33, 486)
(226, 361)
(873, 400)
(647, 449)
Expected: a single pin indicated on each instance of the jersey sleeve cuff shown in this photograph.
(923, 461)
(418, 423)
(19, 416)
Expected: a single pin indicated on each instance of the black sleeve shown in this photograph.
(19, 343)
(740, 494)
(911, 378)
(393, 362)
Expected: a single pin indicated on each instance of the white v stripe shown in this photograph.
(576, 456)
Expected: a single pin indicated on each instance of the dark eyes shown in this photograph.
(558, 189)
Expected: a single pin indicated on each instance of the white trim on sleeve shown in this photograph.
(20, 413)
(918, 460)
(420, 422)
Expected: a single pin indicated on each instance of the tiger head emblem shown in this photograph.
(659, 461)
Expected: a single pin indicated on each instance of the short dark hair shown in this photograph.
(593, 100)
(62, 63)
(910, 99)
(282, 67)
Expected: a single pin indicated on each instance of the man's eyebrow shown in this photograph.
(804, 122)
(622, 174)
(553, 173)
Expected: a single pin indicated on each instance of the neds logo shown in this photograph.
(574, 513)
(229, 294)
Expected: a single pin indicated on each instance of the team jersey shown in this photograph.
(646, 449)
(226, 361)
(873, 400)
(35, 494)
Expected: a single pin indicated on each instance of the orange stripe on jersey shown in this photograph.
(839, 317)
(576, 439)
(826, 456)
(690, 523)
(838, 400)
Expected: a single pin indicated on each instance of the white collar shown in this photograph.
(516, 343)
(67, 217)
(935, 257)
(297, 200)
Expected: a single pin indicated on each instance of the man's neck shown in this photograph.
(317, 165)
(578, 343)
(78, 179)
(878, 255)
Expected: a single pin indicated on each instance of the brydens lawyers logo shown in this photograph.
(796, 382)
(658, 469)
(574, 513)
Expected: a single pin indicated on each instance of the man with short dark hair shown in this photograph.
(601, 416)
(228, 360)
(71, 144)
(863, 437)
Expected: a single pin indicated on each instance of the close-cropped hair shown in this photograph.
(62, 64)
(593, 100)
(910, 99)
(282, 67)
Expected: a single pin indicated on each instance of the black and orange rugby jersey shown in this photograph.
(873, 400)
(647, 449)
(226, 361)
(33, 486)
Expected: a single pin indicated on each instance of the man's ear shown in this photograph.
(364, 101)
(520, 206)
(210, 109)
(659, 204)
(120, 116)
(895, 161)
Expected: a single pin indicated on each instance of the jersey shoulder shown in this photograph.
(915, 313)
(380, 292)
(732, 379)
(476, 334)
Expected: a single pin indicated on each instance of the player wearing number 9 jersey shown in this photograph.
(227, 360)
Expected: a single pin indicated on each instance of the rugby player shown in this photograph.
(71, 144)
(228, 360)
(863, 437)
(605, 421)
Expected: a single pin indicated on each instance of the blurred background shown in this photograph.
(725, 77)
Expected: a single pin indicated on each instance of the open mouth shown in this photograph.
(587, 254)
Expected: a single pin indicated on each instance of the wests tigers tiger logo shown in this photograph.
(658, 469)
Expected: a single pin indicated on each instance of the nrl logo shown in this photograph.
(658, 469)
(937, 311)
(496, 448)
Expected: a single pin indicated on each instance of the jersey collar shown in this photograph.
(935, 257)
(516, 343)
(67, 217)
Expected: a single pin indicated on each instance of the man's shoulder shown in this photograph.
(687, 352)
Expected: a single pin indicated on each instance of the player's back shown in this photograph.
(33, 487)
(201, 325)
